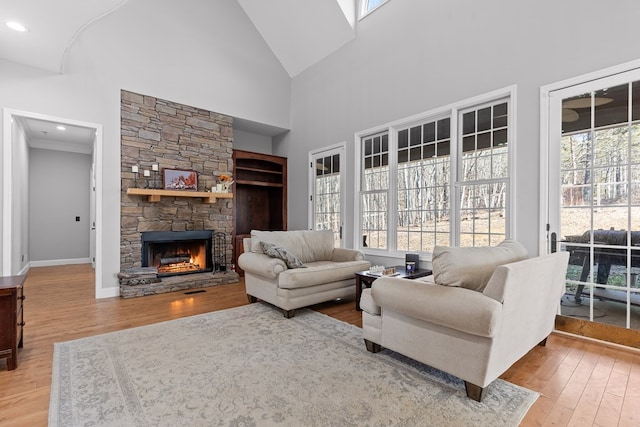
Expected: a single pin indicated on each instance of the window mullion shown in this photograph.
(455, 141)
(392, 191)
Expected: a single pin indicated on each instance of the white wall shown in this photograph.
(19, 198)
(412, 56)
(249, 141)
(200, 53)
(59, 192)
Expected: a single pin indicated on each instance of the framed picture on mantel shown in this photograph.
(180, 179)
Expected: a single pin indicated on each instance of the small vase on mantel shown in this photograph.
(218, 188)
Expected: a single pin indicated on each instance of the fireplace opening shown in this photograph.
(177, 252)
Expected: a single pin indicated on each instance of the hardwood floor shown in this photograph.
(581, 383)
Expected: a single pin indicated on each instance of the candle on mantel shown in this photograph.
(154, 166)
(134, 168)
(147, 173)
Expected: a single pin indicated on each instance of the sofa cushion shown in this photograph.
(306, 245)
(472, 268)
(320, 272)
(452, 307)
(274, 251)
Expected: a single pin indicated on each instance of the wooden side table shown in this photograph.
(365, 279)
(11, 318)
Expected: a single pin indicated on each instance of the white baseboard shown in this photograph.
(52, 262)
(108, 293)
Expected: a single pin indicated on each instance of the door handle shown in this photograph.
(554, 242)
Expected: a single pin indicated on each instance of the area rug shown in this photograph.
(249, 366)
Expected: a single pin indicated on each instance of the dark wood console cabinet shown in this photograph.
(260, 192)
(11, 318)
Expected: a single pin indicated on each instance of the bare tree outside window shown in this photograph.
(424, 170)
(483, 176)
(327, 195)
(375, 182)
(438, 202)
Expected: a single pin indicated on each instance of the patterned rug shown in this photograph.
(249, 366)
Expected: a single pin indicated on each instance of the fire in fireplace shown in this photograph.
(177, 252)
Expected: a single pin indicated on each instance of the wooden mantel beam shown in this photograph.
(154, 195)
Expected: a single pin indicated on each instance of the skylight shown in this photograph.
(369, 6)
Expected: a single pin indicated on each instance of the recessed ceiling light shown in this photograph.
(16, 26)
(60, 127)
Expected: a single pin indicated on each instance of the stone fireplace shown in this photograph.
(170, 135)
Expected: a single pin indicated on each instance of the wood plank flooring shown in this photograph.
(581, 383)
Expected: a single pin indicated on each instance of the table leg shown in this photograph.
(358, 292)
(586, 267)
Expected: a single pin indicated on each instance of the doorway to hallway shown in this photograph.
(63, 155)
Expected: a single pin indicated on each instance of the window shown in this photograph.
(368, 6)
(424, 170)
(435, 181)
(327, 190)
(375, 185)
(483, 175)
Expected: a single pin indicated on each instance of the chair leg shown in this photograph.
(543, 342)
(288, 314)
(372, 346)
(475, 392)
(252, 299)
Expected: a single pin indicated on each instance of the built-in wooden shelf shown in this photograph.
(156, 195)
(260, 183)
(255, 169)
(260, 196)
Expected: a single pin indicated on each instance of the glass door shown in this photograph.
(594, 201)
(327, 190)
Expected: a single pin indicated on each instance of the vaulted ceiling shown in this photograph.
(52, 27)
(300, 33)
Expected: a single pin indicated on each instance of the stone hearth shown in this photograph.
(133, 287)
(173, 136)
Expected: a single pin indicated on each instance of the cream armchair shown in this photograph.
(293, 269)
(475, 334)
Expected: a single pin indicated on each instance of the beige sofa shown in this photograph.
(473, 326)
(301, 268)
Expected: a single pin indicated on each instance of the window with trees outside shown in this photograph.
(424, 177)
(437, 181)
(483, 177)
(375, 186)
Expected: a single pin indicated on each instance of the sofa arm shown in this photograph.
(261, 264)
(461, 309)
(343, 255)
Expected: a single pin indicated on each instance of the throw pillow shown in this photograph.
(274, 251)
(472, 268)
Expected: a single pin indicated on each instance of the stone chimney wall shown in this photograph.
(174, 136)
